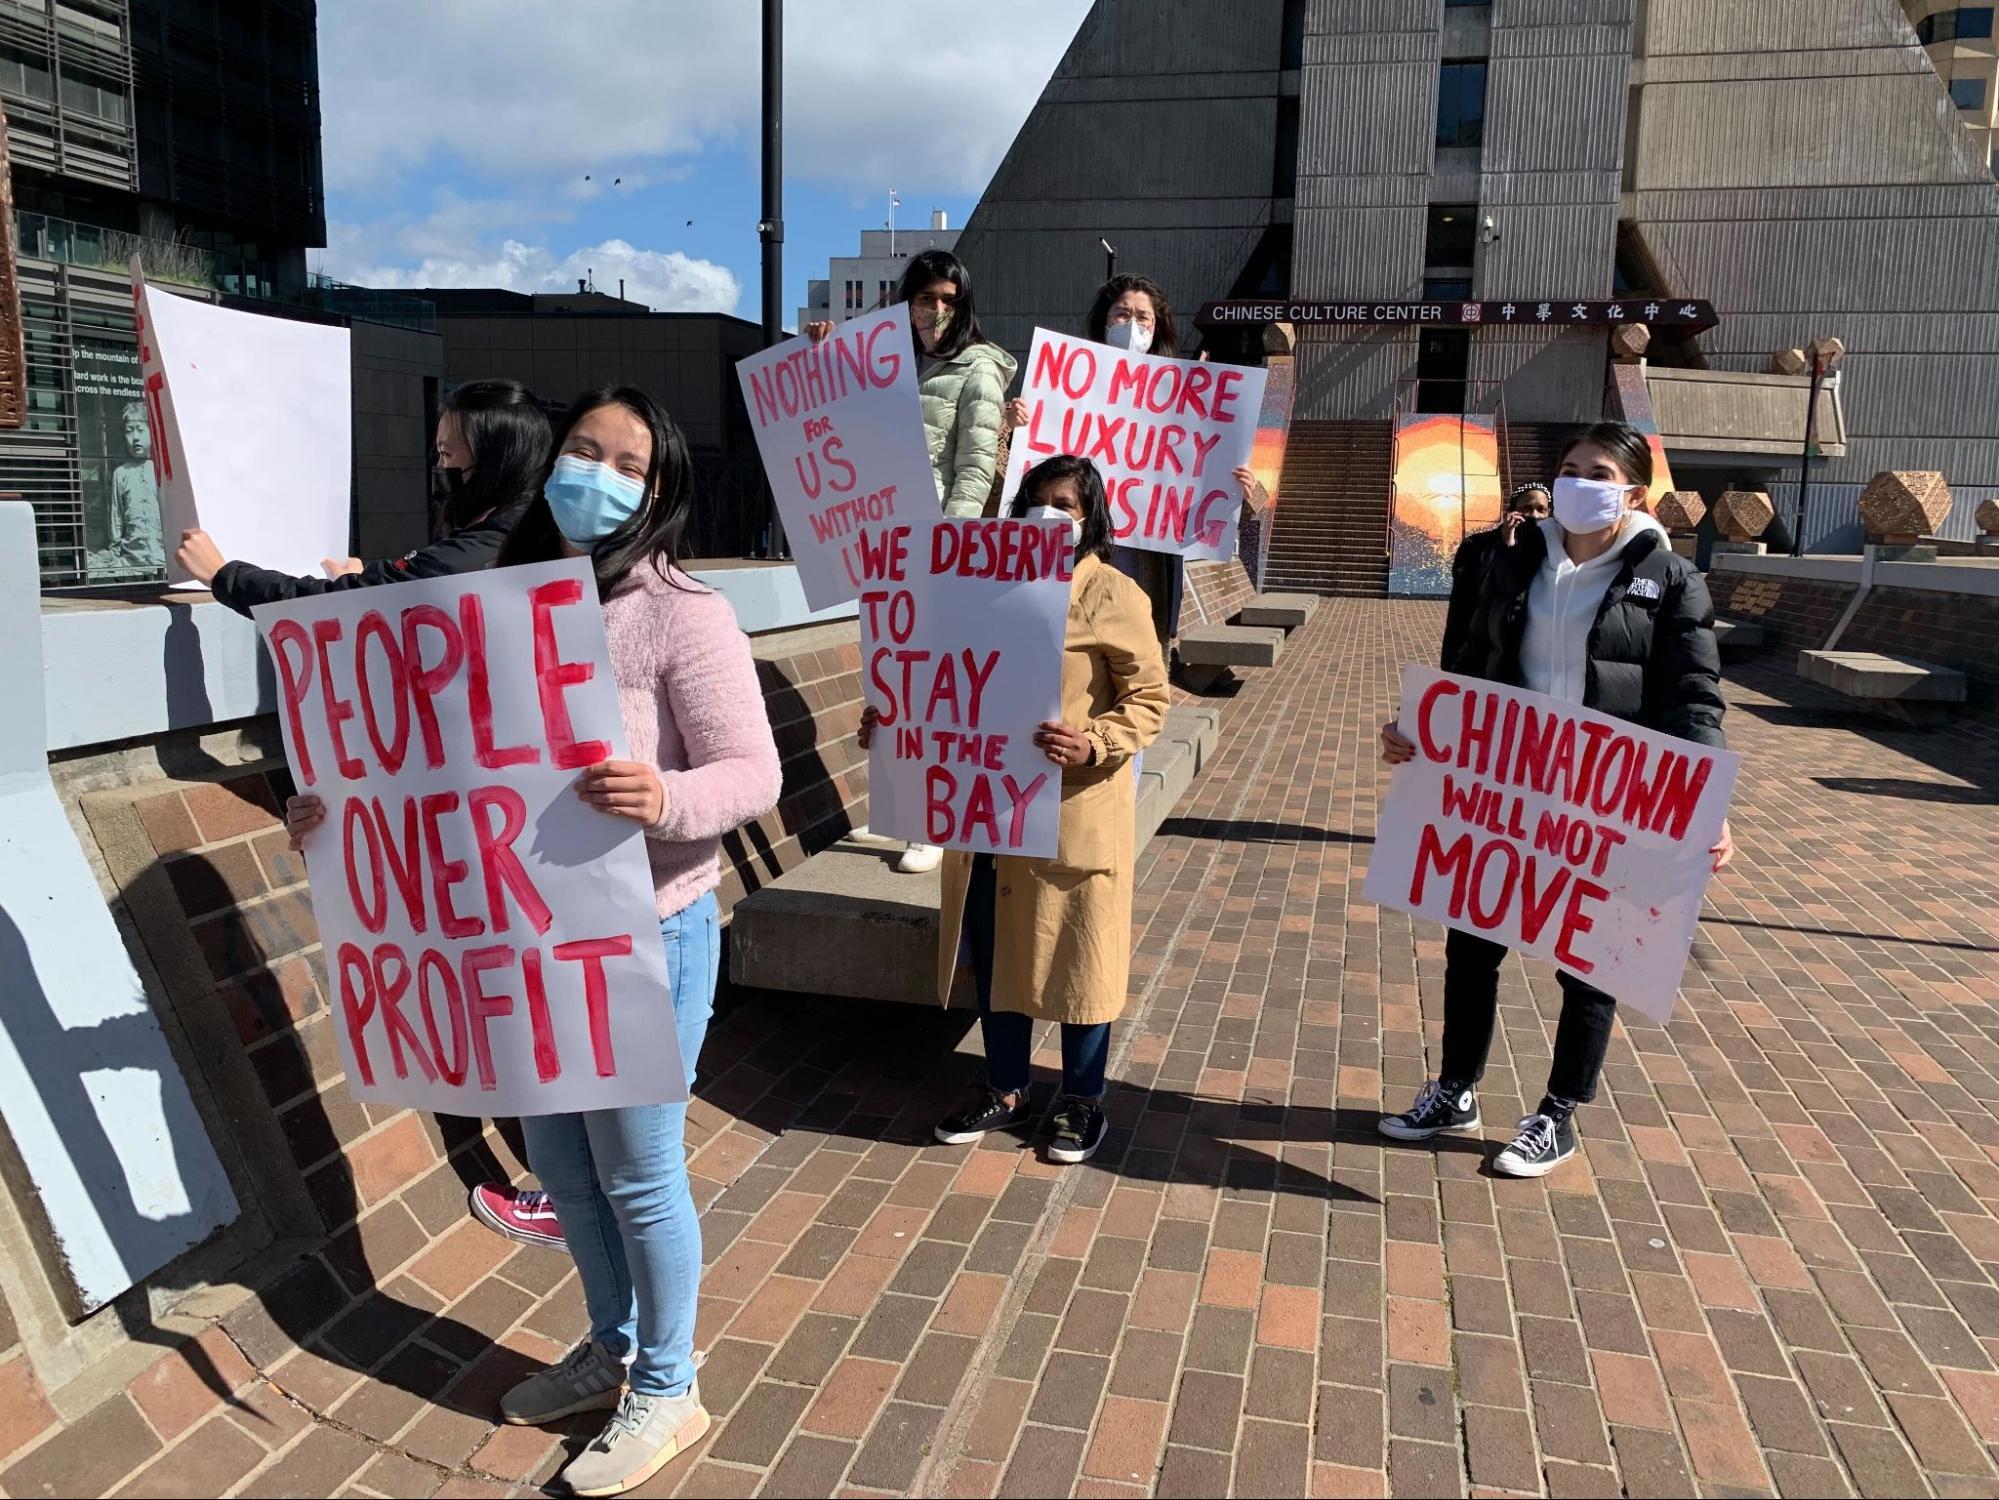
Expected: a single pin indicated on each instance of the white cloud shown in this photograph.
(665, 280)
(547, 92)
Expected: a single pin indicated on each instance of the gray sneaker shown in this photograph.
(644, 1435)
(588, 1380)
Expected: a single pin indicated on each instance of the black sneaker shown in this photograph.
(984, 1114)
(1079, 1130)
(1543, 1144)
(1435, 1111)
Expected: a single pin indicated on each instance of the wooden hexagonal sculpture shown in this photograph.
(1743, 515)
(1900, 506)
(1630, 340)
(1988, 516)
(1790, 362)
(1681, 510)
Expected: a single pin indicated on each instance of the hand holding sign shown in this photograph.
(1171, 438)
(1553, 829)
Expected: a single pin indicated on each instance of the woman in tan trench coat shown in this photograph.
(1050, 939)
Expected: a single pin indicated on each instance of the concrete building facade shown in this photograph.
(855, 284)
(1962, 47)
(1800, 164)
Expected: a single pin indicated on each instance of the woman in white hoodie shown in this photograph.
(1591, 606)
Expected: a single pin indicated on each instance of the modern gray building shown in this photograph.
(1423, 164)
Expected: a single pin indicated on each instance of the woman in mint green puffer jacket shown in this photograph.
(961, 376)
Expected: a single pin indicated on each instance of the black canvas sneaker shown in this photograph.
(1437, 1110)
(1543, 1144)
(984, 1114)
(1079, 1130)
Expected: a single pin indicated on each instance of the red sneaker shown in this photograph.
(527, 1218)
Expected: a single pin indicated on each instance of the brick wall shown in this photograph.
(1215, 591)
(372, 1195)
(1952, 630)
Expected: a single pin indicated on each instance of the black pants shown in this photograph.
(1471, 1011)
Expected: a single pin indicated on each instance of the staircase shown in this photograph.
(1331, 528)
(1533, 452)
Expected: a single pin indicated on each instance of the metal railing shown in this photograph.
(95, 248)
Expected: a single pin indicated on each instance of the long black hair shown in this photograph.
(507, 432)
(654, 532)
(941, 265)
(1623, 442)
(1165, 336)
(1097, 537)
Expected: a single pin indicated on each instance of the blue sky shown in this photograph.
(457, 149)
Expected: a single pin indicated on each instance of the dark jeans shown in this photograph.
(1010, 1035)
(1471, 1010)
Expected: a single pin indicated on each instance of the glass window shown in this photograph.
(1461, 104)
(1450, 238)
(1968, 93)
(25, 77)
(1949, 25)
(88, 94)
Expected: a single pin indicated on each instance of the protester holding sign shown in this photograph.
(1132, 312)
(1593, 608)
(492, 449)
(1050, 939)
(703, 763)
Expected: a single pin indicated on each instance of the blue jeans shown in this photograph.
(618, 1180)
(1009, 1036)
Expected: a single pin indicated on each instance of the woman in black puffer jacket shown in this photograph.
(492, 451)
(1595, 608)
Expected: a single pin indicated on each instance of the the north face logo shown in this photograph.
(1644, 588)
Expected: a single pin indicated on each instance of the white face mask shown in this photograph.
(1133, 336)
(1050, 513)
(1586, 505)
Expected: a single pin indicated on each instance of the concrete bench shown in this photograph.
(1898, 686)
(846, 922)
(1285, 611)
(1739, 635)
(1207, 651)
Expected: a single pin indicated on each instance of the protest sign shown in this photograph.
(251, 420)
(840, 431)
(1166, 434)
(962, 628)
(491, 939)
(1553, 829)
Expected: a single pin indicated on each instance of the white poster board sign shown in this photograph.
(252, 421)
(1166, 434)
(840, 431)
(1556, 830)
(962, 629)
(491, 939)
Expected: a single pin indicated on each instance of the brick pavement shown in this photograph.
(1773, 1272)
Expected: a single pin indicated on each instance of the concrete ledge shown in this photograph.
(1285, 611)
(845, 922)
(1960, 575)
(1231, 646)
(1739, 635)
(1877, 678)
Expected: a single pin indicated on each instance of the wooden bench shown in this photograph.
(1208, 651)
(1285, 611)
(1898, 687)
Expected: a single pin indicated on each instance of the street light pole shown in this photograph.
(1825, 353)
(771, 229)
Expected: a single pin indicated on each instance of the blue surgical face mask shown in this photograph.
(590, 500)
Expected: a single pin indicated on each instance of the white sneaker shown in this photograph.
(644, 1435)
(920, 859)
(588, 1380)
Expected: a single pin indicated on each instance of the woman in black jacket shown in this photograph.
(492, 450)
(1595, 608)
(1527, 504)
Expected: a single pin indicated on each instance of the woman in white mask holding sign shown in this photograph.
(1131, 312)
(1050, 939)
(1592, 607)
